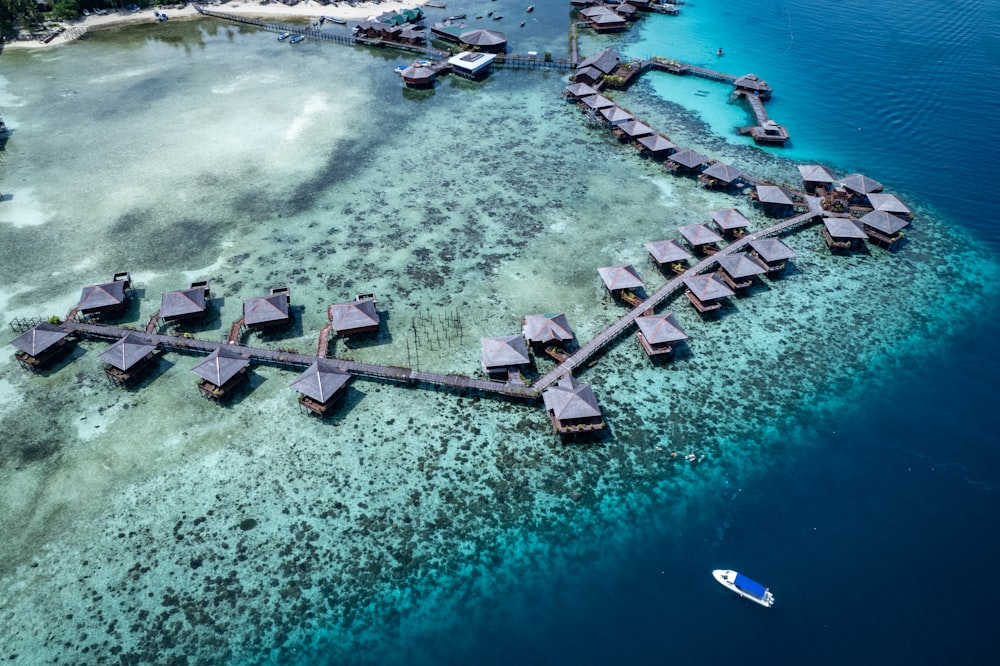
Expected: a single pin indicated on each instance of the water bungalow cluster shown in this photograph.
(710, 260)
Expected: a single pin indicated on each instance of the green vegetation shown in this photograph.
(17, 12)
(66, 9)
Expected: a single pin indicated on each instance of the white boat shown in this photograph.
(283, 36)
(744, 587)
(296, 39)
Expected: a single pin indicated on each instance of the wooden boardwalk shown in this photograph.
(584, 353)
(287, 359)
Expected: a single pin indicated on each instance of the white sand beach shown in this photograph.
(306, 9)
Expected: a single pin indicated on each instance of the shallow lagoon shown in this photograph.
(152, 522)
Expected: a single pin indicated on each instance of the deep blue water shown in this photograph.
(877, 534)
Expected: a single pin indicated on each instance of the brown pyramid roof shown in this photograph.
(504, 351)
(321, 381)
(772, 194)
(688, 158)
(861, 184)
(620, 277)
(842, 227)
(128, 351)
(885, 222)
(729, 218)
(723, 172)
(657, 143)
(100, 296)
(660, 328)
(265, 309)
(353, 315)
(741, 265)
(890, 203)
(814, 173)
(667, 251)
(707, 287)
(544, 328)
(698, 234)
(569, 399)
(220, 366)
(39, 338)
(772, 249)
(182, 303)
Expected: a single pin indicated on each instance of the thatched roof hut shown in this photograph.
(889, 203)
(418, 76)
(705, 292)
(753, 84)
(578, 90)
(739, 269)
(842, 233)
(221, 372)
(490, 41)
(544, 329)
(606, 61)
(814, 175)
(699, 236)
(686, 160)
(616, 115)
(773, 252)
(596, 102)
(729, 219)
(572, 407)
(774, 200)
(126, 359)
(656, 145)
(109, 297)
(720, 174)
(883, 227)
(633, 129)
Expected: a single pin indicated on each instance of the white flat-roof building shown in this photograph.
(472, 64)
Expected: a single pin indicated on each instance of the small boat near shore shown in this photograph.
(334, 19)
(456, 17)
(436, 5)
(296, 39)
(743, 586)
(283, 36)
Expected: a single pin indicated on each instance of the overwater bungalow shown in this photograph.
(621, 281)
(668, 253)
(883, 228)
(267, 311)
(125, 360)
(604, 20)
(686, 161)
(642, 5)
(572, 407)
(588, 75)
(729, 221)
(753, 85)
(490, 41)
(504, 355)
(889, 203)
(605, 61)
(107, 298)
(372, 29)
(773, 253)
(474, 65)
(412, 36)
(578, 90)
(774, 200)
(418, 76)
(656, 146)
(615, 115)
(700, 238)
(357, 317)
(658, 334)
(860, 186)
(739, 269)
(842, 233)
(630, 130)
(221, 373)
(190, 303)
(321, 386)
(596, 102)
(627, 11)
(719, 175)
(815, 176)
(542, 330)
(40, 345)
(706, 292)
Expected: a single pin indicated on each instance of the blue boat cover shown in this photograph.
(749, 586)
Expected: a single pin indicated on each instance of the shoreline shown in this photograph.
(273, 10)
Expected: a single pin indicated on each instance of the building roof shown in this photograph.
(620, 277)
(616, 115)
(39, 338)
(606, 61)
(625, 8)
(543, 328)
(772, 194)
(885, 222)
(321, 381)
(417, 72)
(265, 309)
(589, 73)
(353, 315)
(483, 38)
(861, 184)
(127, 352)
(656, 143)
(843, 227)
(635, 129)
(597, 102)
(581, 89)
(890, 203)
(504, 351)
(723, 172)
(104, 295)
(660, 328)
(741, 265)
(729, 218)
(698, 234)
(183, 302)
(707, 287)
(814, 173)
(751, 82)
(221, 366)
(472, 61)
(688, 158)
(772, 249)
(569, 399)
(607, 17)
(667, 251)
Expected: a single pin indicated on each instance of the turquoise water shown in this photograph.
(419, 525)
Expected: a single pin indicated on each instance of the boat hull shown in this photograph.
(727, 578)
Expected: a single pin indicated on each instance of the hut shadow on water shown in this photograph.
(382, 336)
